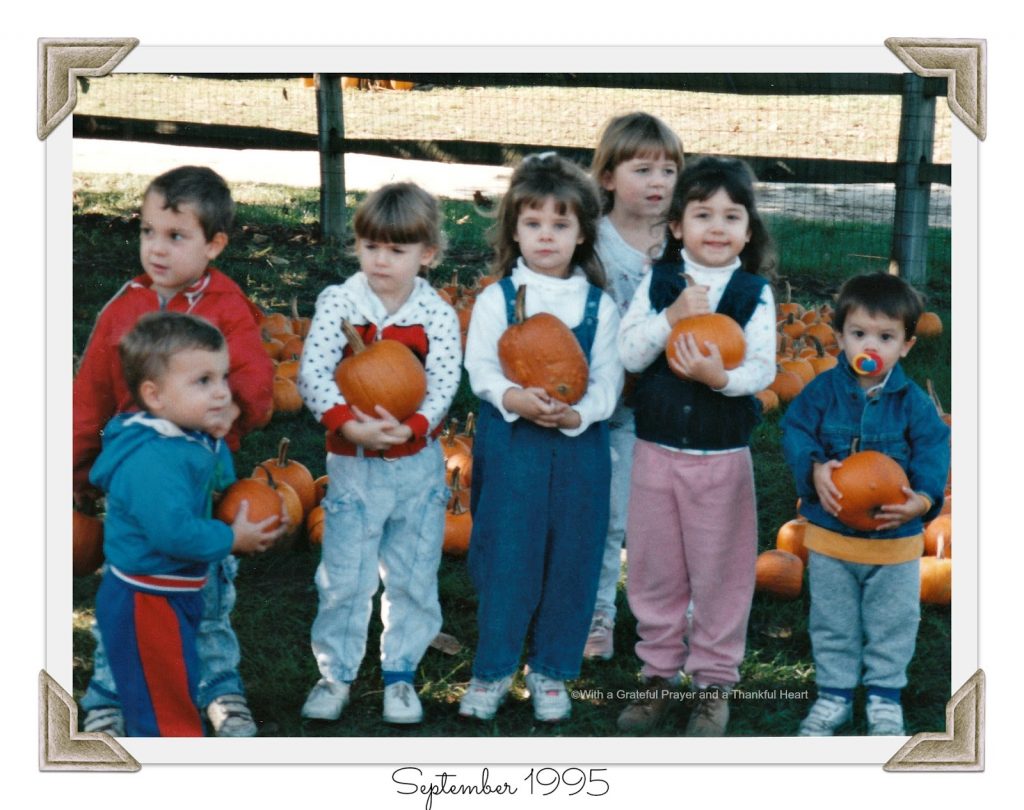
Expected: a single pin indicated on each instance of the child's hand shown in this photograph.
(376, 434)
(221, 423)
(254, 538)
(828, 493)
(693, 364)
(691, 301)
(534, 404)
(899, 513)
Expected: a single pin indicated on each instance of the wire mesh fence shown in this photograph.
(790, 134)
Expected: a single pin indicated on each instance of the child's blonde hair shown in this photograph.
(536, 179)
(626, 137)
(401, 214)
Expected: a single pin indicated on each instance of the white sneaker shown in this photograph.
(326, 700)
(550, 700)
(230, 717)
(828, 714)
(483, 698)
(107, 719)
(601, 641)
(885, 717)
(402, 704)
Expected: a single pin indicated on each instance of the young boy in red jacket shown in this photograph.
(185, 217)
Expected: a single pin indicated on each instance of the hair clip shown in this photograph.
(540, 156)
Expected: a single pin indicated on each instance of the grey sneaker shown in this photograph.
(230, 717)
(326, 700)
(601, 641)
(885, 717)
(106, 719)
(828, 714)
(647, 710)
(401, 703)
(483, 698)
(550, 700)
(710, 714)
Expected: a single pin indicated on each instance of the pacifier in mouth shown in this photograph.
(868, 364)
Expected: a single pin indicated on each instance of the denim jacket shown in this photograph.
(898, 420)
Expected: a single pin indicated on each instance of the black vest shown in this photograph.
(689, 415)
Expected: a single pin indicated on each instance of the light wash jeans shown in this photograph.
(622, 435)
(216, 642)
(384, 521)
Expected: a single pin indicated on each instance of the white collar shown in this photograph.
(700, 268)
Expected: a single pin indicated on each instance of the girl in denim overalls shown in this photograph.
(384, 509)
(541, 467)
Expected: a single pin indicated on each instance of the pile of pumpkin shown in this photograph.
(283, 338)
(458, 461)
(806, 346)
(867, 481)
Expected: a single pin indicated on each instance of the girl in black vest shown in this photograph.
(692, 527)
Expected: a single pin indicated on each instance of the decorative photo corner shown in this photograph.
(66, 65)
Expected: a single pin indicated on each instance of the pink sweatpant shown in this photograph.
(691, 533)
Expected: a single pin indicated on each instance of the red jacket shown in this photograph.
(100, 390)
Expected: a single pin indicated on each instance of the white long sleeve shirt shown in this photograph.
(644, 332)
(565, 299)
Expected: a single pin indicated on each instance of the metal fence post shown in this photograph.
(909, 253)
(331, 144)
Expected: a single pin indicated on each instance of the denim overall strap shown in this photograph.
(509, 289)
(587, 329)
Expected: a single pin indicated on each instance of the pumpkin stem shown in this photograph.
(455, 503)
(270, 478)
(789, 293)
(690, 282)
(282, 452)
(295, 307)
(520, 308)
(449, 434)
(352, 336)
(854, 445)
(470, 429)
(940, 547)
(817, 345)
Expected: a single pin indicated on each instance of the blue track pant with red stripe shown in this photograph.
(150, 638)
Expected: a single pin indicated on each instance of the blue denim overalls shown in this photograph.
(540, 515)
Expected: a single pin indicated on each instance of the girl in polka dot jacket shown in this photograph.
(385, 503)
(692, 526)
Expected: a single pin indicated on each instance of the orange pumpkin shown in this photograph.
(939, 531)
(779, 574)
(542, 352)
(821, 361)
(769, 400)
(276, 324)
(458, 523)
(290, 472)
(286, 396)
(868, 480)
(315, 526)
(789, 306)
(791, 538)
(320, 487)
(385, 373)
(457, 455)
(929, 325)
(937, 577)
(264, 501)
(86, 543)
(721, 330)
(786, 384)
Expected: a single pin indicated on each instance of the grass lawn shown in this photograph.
(275, 254)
